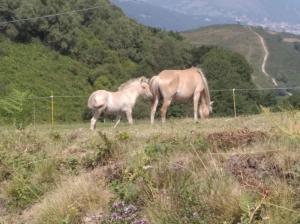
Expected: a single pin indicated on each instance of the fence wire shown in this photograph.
(52, 108)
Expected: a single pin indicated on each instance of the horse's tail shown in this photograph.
(91, 101)
(205, 99)
(154, 86)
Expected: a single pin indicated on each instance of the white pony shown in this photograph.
(118, 102)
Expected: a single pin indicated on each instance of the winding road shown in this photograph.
(266, 57)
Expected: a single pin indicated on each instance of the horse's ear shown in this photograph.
(212, 102)
(144, 79)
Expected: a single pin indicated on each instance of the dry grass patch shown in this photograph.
(71, 200)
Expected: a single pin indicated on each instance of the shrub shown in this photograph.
(101, 152)
(16, 108)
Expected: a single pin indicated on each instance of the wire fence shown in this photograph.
(56, 108)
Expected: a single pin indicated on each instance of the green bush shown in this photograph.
(100, 153)
(16, 108)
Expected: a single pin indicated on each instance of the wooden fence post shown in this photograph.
(52, 109)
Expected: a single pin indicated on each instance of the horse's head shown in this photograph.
(205, 110)
(145, 87)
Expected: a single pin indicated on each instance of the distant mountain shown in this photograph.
(162, 17)
(283, 61)
(187, 14)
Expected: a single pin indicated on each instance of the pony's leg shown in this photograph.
(196, 103)
(164, 109)
(153, 109)
(118, 120)
(129, 116)
(94, 119)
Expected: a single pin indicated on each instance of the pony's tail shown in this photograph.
(154, 86)
(205, 99)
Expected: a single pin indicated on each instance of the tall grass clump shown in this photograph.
(71, 200)
(27, 171)
(190, 194)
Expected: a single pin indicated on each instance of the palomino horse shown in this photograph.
(181, 85)
(118, 102)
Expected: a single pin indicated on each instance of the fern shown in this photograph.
(16, 108)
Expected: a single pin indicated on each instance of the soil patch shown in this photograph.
(256, 171)
(235, 139)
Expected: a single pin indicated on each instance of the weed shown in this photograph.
(101, 152)
(55, 135)
(123, 136)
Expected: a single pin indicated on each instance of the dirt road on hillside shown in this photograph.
(266, 57)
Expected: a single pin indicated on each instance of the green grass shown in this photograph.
(283, 61)
(173, 173)
(44, 71)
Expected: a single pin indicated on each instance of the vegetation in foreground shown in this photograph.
(243, 170)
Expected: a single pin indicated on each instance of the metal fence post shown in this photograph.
(234, 102)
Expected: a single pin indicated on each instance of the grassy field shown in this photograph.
(282, 63)
(222, 170)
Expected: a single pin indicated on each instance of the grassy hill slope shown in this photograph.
(283, 61)
(99, 49)
(41, 70)
(284, 57)
(73, 54)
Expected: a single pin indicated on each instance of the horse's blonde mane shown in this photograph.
(128, 83)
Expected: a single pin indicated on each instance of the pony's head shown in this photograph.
(145, 87)
(140, 84)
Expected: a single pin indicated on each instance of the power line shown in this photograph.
(50, 15)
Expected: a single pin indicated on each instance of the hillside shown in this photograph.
(283, 60)
(101, 37)
(35, 68)
(99, 48)
(73, 54)
(216, 171)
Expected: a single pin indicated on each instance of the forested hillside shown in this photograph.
(99, 47)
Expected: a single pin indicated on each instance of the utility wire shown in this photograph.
(50, 15)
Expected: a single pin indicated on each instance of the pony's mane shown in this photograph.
(128, 83)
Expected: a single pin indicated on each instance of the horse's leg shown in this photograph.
(94, 119)
(196, 103)
(129, 116)
(153, 108)
(164, 109)
(96, 116)
(118, 120)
